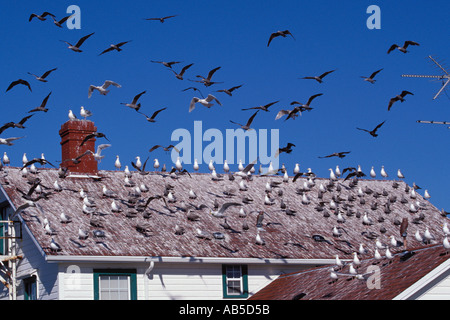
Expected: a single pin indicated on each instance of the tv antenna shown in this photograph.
(445, 79)
(434, 122)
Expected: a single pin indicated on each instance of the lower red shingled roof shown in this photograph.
(396, 275)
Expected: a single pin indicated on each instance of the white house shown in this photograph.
(164, 243)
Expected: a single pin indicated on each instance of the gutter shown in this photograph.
(217, 260)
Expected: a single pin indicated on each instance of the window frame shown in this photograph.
(131, 273)
(243, 278)
(31, 280)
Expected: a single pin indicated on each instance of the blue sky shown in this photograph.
(328, 35)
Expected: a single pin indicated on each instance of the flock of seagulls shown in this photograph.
(335, 207)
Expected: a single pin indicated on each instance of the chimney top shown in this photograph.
(72, 134)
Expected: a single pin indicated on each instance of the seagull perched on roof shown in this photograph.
(85, 113)
(54, 246)
(205, 102)
(279, 34)
(403, 48)
(102, 88)
(76, 47)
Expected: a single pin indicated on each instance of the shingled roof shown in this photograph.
(395, 276)
(305, 234)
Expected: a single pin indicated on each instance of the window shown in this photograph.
(112, 284)
(235, 284)
(30, 288)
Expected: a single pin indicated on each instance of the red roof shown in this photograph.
(286, 236)
(395, 276)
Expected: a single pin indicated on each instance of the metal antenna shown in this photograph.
(434, 122)
(445, 77)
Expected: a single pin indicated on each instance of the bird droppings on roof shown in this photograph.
(167, 220)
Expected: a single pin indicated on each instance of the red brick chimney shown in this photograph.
(72, 134)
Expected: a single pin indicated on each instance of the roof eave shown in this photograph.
(163, 259)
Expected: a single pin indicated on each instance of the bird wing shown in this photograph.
(185, 68)
(393, 47)
(408, 42)
(102, 147)
(282, 113)
(83, 154)
(44, 102)
(374, 74)
(210, 74)
(273, 35)
(91, 89)
(80, 42)
(288, 32)
(106, 50)
(379, 126)
(47, 73)
(109, 82)
(250, 120)
(20, 81)
(156, 113)
(136, 98)
(226, 205)
(391, 102)
(404, 93)
(89, 136)
(363, 129)
(313, 97)
(326, 73)
(155, 147)
(122, 43)
(47, 14)
(270, 104)
(210, 98)
(194, 100)
(169, 17)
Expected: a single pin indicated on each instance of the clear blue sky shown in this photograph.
(233, 34)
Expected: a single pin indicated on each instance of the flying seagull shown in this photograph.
(263, 108)
(319, 78)
(400, 97)
(179, 76)
(220, 212)
(134, 105)
(246, 127)
(37, 160)
(93, 135)
(7, 141)
(287, 149)
(205, 102)
(164, 148)
(114, 47)
(166, 64)
(161, 19)
(195, 89)
(402, 49)
(370, 79)
(42, 106)
(40, 17)
(98, 154)
(20, 81)
(297, 109)
(336, 154)
(207, 81)
(15, 125)
(152, 118)
(102, 88)
(60, 22)
(373, 132)
(229, 91)
(76, 47)
(278, 34)
(42, 78)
